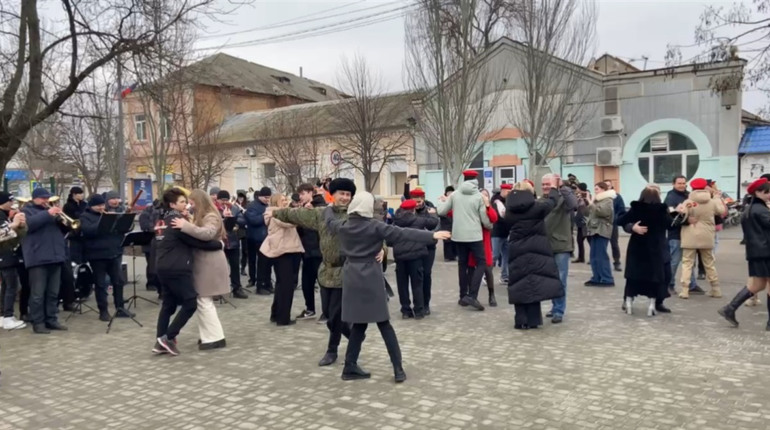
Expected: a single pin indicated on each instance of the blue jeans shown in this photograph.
(562, 263)
(675, 250)
(600, 261)
(500, 251)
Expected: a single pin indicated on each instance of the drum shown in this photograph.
(84, 281)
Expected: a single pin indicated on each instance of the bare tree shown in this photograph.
(42, 153)
(196, 151)
(292, 141)
(372, 127)
(550, 104)
(93, 34)
(462, 94)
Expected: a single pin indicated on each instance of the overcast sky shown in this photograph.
(628, 29)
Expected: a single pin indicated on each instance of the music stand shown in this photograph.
(132, 240)
(83, 286)
(118, 224)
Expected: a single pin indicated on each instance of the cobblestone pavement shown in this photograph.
(600, 369)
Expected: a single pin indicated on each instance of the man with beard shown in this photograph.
(330, 273)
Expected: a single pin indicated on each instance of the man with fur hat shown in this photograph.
(330, 272)
(469, 216)
(698, 235)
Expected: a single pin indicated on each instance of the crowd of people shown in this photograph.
(339, 240)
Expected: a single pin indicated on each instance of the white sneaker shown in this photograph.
(629, 305)
(11, 323)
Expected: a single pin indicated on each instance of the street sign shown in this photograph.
(37, 173)
(336, 157)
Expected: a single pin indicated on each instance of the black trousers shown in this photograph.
(44, 282)
(10, 278)
(427, 275)
(244, 253)
(264, 271)
(331, 302)
(101, 269)
(406, 271)
(233, 260)
(25, 291)
(297, 262)
(67, 288)
(528, 315)
(280, 312)
(310, 267)
(614, 245)
(450, 251)
(252, 248)
(469, 285)
(178, 290)
(152, 278)
(358, 334)
(581, 239)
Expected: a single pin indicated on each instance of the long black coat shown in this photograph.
(363, 287)
(647, 258)
(532, 273)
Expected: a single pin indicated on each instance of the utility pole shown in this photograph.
(121, 143)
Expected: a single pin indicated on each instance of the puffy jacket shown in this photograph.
(469, 214)
(532, 272)
(44, 243)
(311, 241)
(407, 250)
(10, 240)
(256, 229)
(600, 215)
(98, 246)
(755, 222)
(174, 249)
(703, 208)
(675, 198)
(558, 223)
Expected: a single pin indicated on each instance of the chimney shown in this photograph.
(300, 71)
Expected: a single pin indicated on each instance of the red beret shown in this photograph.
(408, 204)
(756, 184)
(506, 187)
(470, 174)
(698, 184)
(418, 192)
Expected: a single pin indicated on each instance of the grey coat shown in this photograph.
(211, 273)
(363, 286)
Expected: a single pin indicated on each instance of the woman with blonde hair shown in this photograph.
(282, 246)
(210, 269)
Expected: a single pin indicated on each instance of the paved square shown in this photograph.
(600, 369)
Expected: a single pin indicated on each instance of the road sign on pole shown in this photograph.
(336, 157)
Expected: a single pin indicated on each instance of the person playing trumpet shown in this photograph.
(13, 228)
(104, 254)
(44, 252)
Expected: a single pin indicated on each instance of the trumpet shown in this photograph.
(62, 218)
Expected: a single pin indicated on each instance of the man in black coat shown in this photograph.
(233, 244)
(311, 242)
(256, 232)
(104, 254)
(425, 210)
(409, 257)
(12, 230)
(445, 224)
(674, 198)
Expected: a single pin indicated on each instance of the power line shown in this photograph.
(322, 30)
(300, 20)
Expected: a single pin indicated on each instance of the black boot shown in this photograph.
(352, 372)
(400, 375)
(328, 359)
(104, 315)
(767, 327)
(728, 312)
(492, 300)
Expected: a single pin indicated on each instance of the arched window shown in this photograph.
(668, 155)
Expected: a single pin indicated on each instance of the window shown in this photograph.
(165, 128)
(667, 155)
(140, 125)
(397, 181)
(269, 170)
(506, 175)
(478, 165)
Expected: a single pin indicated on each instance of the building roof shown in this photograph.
(308, 119)
(222, 70)
(756, 140)
(611, 58)
(752, 118)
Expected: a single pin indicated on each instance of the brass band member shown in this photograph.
(12, 229)
(44, 252)
(104, 254)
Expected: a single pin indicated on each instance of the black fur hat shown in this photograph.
(342, 184)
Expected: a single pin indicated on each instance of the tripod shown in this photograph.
(83, 287)
(132, 300)
(132, 240)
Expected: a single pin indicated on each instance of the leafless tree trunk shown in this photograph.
(462, 95)
(196, 152)
(372, 125)
(291, 141)
(94, 33)
(549, 102)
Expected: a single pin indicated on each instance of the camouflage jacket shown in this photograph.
(330, 273)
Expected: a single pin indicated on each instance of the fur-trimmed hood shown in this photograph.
(609, 194)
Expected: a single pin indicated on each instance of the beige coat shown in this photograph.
(211, 273)
(282, 238)
(600, 215)
(700, 235)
